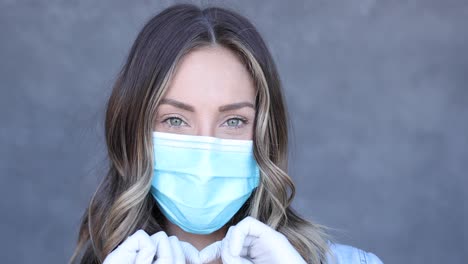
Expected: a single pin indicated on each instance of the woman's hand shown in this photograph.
(251, 241)
(140, 248)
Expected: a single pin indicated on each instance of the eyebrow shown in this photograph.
(235, 106)
(222, 108)
(178, 104)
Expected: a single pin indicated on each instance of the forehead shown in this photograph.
(213, 75)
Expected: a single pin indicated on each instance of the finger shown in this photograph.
(190, 252)
(246, 249)
(245, 246)
(163, 247)
(137, 247)
(147, 250)
(228, 242)
(249, 226)
(137, 241)
(227, 258)
(253, 227)
(177, 253)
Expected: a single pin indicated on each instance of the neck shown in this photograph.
(198, 241)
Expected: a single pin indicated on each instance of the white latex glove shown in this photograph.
(206, 255)
(168, 249)
(140, 248)
(251, 241)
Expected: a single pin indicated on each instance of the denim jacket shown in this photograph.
(345, 254)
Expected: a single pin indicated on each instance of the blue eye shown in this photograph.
(235, 122)
(174, 121)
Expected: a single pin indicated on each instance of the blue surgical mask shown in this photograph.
(201, 182)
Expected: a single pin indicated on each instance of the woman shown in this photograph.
(196, 131)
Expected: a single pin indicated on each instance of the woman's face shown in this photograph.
(211, 94)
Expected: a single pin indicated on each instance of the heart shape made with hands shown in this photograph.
(206, 255)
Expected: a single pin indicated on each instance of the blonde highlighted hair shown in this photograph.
(122, 202)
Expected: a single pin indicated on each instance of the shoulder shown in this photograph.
(346, 254)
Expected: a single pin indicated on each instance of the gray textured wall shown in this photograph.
(377, 93)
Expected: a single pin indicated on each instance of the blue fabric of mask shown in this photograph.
(201, 182)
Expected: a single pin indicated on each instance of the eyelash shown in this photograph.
(243, 120)
(167, 121)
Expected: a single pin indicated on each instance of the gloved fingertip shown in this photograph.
(177, 251)
(235, 242)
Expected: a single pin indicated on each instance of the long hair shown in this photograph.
(122, 203)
